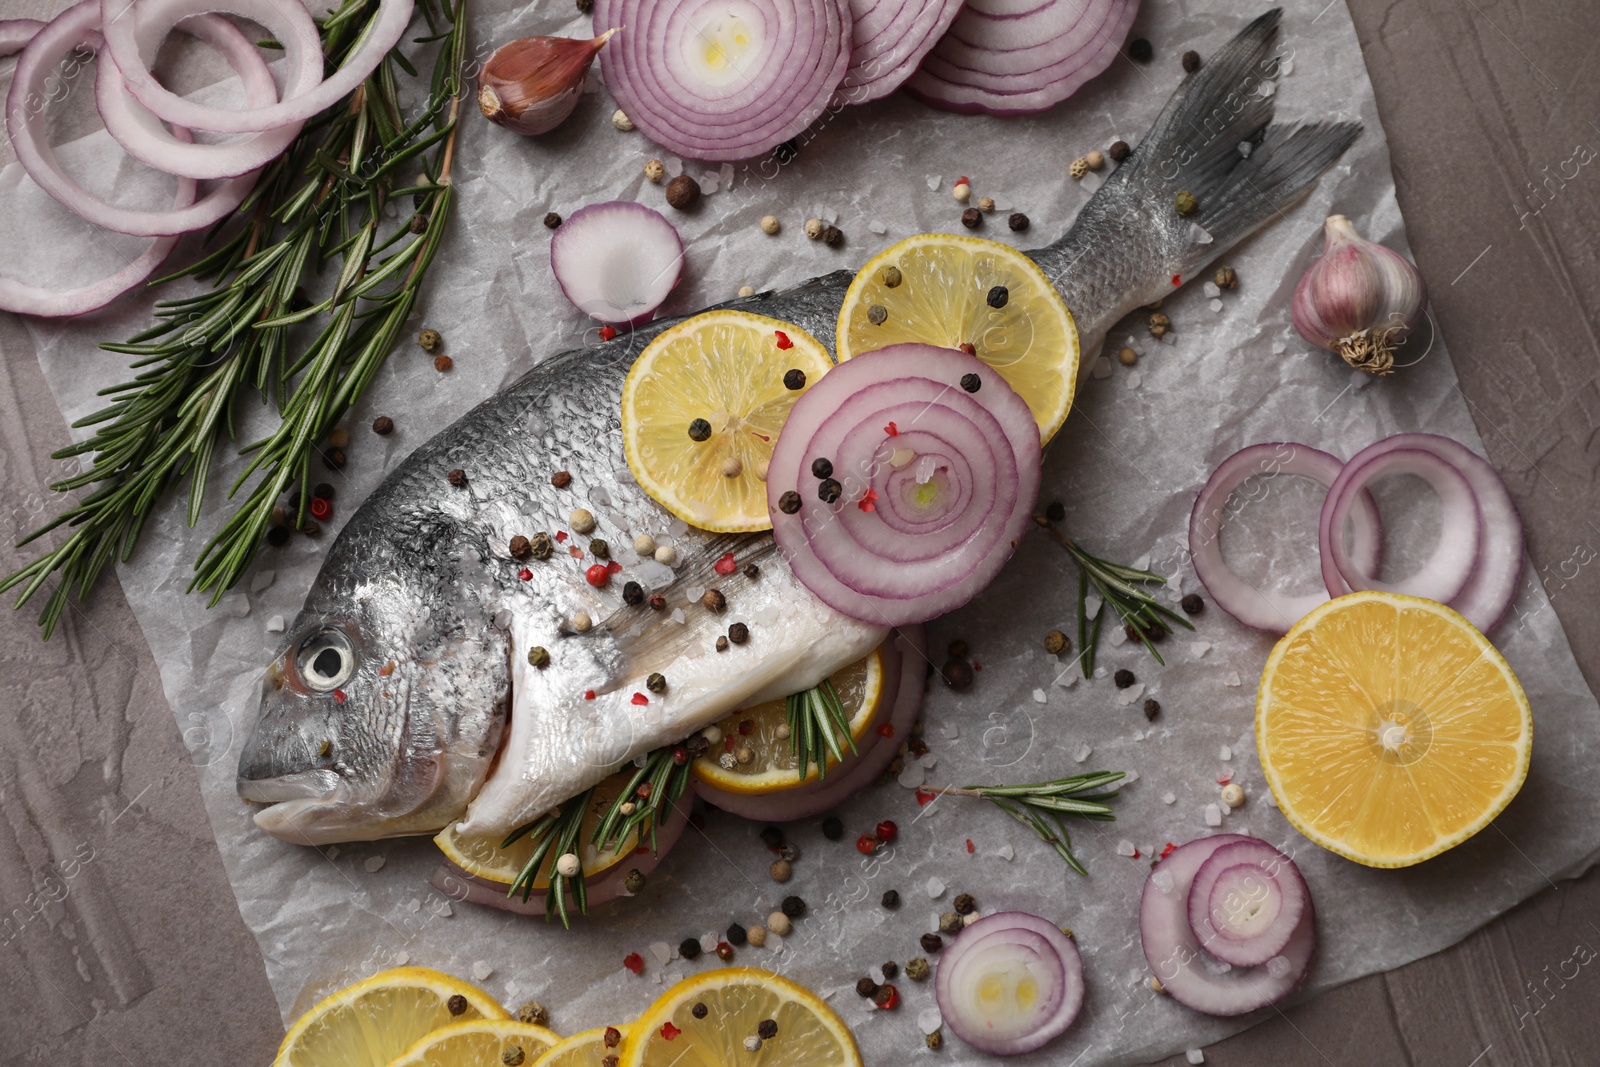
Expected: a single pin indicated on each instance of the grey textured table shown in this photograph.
(144, 959)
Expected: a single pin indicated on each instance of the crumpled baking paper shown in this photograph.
(1139, 443)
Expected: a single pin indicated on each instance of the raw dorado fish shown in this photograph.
(402, 698)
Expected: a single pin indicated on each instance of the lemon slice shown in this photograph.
(1390, 729)
(773, 765)
(941, 296)
(373, 1022)
(483, 857)
(480, 1043)
(726, 368)
(737, 1001)
(586, 1049)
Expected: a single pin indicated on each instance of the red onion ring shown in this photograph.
(1245, 903)
(888, 39)
(16, 33)
(74, 27)
(617, 261)
(1270, 611)
(143, 136)
(1010, 948)
(129, 22)
(801, 53)
(888, 551)
(1446, 572)
(1492, 588)
(905, 662)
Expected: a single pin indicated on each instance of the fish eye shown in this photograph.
(326, 660)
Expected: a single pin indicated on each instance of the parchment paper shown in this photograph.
(1139, 443)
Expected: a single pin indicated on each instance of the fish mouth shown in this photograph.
(319, 785)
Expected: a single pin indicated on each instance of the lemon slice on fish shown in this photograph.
(702, 408)
(586, 1049)
(793, 1026)
(762, 730)
(483, 857)
(942, 288)
(373, 1022)
(480, 1043)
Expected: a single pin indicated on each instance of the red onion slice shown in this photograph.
(723, 79)
(1246, 901)
(16, 33)
(1175, 955)
(888, 551)
(143, 136)
(457, 884)
(1455, 557)
(74, 27)
(1258, 608)
(617, 261)
(1020, 57)
(905, 665)
(130, 22)
(1009, 983)
(1492, 588)
(888, 39)
(25, 299)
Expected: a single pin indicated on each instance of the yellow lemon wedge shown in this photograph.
(762, 730)
(1390, 729)
(702, 408)
(480, 1043)
(740, 1004)
(585, 1049)
(373, 1022)
(484, 858)
(943, 289)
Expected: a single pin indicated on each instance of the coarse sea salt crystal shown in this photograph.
(1102, 368)
(1134, 379)
(913, 775)
(1215, 305)
(677, 527)
(674, 166)
(1142, 563)
(1213, 815)
(442, 909)
(1119, 637)
(1125, 848)
(1195, 1056)
(481, 969)
(1286, 68)
(925, 468)
(1005, 852)
(693, 593)
(677, 615)
(1039, 697)
(1268, 88)
(1279, 348)
(725, 172)
(414, 905)
(935, 889)
(1199, 234)
(950, 730)
(1225, 753)
(1162, 880)
(373, 864)
(708, 942)
(1138, 735)
(661, 951)
(1129, 778)
(1170, 337)
(1083, 753)
(929, 760)
(1129, 695)
(877, 227)
(1231, 679)
(1091, 605)
(1068, 678)
(1199, 648)
(1277, 966)
(1211, 289)
(502, 619)
(934, 181)
(1169, 797)
(1100, 672)
(929, 1020)
(402, 958)
(262, 580)
(275, 624)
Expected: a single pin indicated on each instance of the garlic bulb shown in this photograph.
(532, 84)
(1359, 299)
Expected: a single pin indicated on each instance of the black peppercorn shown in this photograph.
(737, 935)
(633, 593)
(1152, 708)
(965, 905)
(458, 478)
(738, 633)
(1192, 604)
(957, 649)
(1123, 678)
(278, 536)
(1056, 512)
(656, 683)
(832, 236)
(772, 836)
(789, 502)
(699, 430)
(585, 6)
(683, 192)
(689, 948)
(699, 1011)
(971, 383)
(334, 459)
(957, 674)
(1119, 151)
(1191, 61)
(552, 220)
(794, 378)
(865, 988)
(832, 828)
(457, 1004)
(722, 643)
(383, 426)
(829, 491)
(822, 467)
(1018, 222)
(891, 970)
(1140, 50)
(999, 297)
(891, 899)
(767, 1029)
(886, 996)
(520, 547)
(793, 907)
(932, 942)
(751, 571)
(972, 218)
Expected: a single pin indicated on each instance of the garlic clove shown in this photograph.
(532, 84)
(1358, 299)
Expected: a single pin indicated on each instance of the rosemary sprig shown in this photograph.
(817, 723)
(641, 807)
(555, 834)
(1044, 807)
(1126, 589)
(321, 203)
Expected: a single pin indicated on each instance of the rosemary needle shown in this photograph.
(319, 204)
(817, 724)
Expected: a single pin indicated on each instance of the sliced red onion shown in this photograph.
(905, 660)
(723, 79)
(1454, 559)
(1264, 609)
(888, 39)
(129, 23)
(1174, 954)
(617, 261)
(1246, 901)
(1492, 587)
(1009, 983)
(457, 884)
(903, 543)
(25, 299)
(16, 33)
(74, 27)
(144, 137)
(1004, 57)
